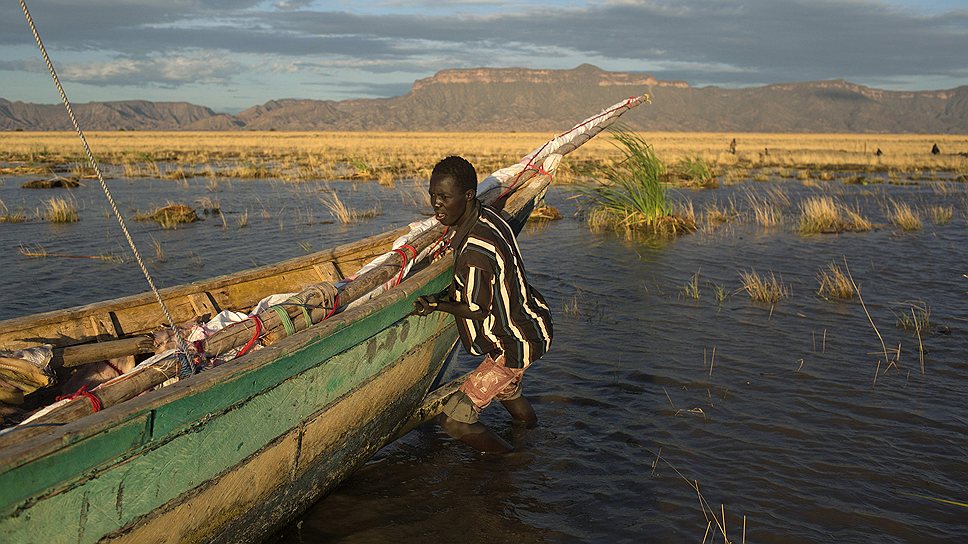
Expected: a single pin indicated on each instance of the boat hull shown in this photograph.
(240, 456)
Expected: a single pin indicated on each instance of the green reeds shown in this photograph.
(61, 210)
(691, 289)
(633, 196)
(696, 171)
(834, 284)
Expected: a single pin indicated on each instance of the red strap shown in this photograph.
(255, 337)
(83, 392)
(403, 254)
(333, 309)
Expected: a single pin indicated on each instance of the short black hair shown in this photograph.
(458, 168)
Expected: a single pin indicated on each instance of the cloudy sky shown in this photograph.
(229, 55)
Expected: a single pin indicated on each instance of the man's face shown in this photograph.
(448, 200)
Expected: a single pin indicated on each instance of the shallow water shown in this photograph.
(773, 411)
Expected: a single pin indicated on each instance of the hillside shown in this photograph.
(518, 99)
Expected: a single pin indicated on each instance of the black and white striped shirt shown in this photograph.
(489, 274)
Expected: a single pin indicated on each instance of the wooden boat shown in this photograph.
(233, 453)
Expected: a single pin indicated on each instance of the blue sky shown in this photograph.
(230, 55)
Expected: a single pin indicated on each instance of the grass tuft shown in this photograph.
(941, 215)
(343, 213)
(633, 197)
(834, 284)
(904, 216)
(764, 288)
(61, 210)
(825, 214)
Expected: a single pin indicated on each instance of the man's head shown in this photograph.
(453, 189)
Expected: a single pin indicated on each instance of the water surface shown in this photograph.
(784, 426)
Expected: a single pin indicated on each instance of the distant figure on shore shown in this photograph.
(766, 151)
(878, 152)
(732, 147)
(935, 150)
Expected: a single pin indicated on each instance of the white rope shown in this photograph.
(104, 187)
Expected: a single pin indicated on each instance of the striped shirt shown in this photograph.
(489, 274)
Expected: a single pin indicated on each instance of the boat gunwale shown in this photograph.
(16, 455)
(13, 325)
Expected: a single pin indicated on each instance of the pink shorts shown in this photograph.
(490, 380)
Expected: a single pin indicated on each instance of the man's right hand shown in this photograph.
(425, 305)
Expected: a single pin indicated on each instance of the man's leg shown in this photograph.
(475, 435)
(521, 410)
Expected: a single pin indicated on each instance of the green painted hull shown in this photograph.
(162, 467)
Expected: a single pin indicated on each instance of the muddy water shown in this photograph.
(787, 418)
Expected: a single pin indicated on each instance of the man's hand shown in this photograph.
(425, 305)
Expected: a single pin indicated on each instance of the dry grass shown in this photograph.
(834, 284)
(767, 208)
(825, 214)
(298, 156)
(941, 215)
(169, 216)
(764, 288)
(60, 210)
(343, 213)
(6, 216)
(914, 317)
(904, 216)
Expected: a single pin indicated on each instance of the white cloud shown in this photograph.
(165, 71)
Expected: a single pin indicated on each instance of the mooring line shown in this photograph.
(97, 170)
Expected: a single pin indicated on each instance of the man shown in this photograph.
(499, 314)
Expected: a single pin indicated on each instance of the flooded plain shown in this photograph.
(794, 420)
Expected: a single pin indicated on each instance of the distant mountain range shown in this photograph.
(518, 99)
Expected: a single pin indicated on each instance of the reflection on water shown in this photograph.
(773, 411)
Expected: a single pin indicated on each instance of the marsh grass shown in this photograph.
(825, 214)
(40, 252)
(834, 284)
(160, 255)
(914, 316)
(904, 216)
(765, 288)
(691, 289)
(343, 213)
(696, 171)
(60, 210)
(169, 216)
(767, 208)
(545, 213)
(243, 219)
(941, 215)
(716, 214)
(633, 197)
(6, 216)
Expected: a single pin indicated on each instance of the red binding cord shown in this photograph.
(255, 337)
(403, 254)
(83, 392)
